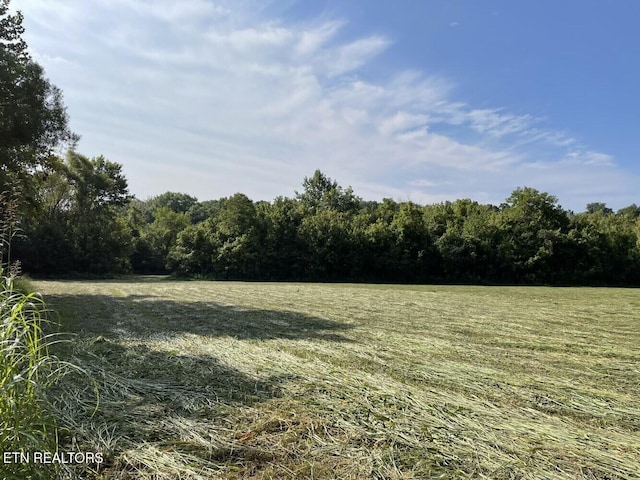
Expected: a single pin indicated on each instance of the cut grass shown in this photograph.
(251, 380)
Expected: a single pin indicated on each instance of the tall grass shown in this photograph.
(27, 370)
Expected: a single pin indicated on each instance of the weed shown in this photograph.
(28, 371)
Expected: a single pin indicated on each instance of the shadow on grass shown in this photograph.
(142, 316)
(113, 332)
(175, 402)
(167, 397)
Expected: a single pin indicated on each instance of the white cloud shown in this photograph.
(589, 158)
(496, 123)
(402, 121)
(183, 11)
(351, 56)
(218, 98)
(251, 39)
(422, 182)
(312, 40)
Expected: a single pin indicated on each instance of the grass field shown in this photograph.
(284, 381)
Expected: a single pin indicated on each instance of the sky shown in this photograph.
(427, 101)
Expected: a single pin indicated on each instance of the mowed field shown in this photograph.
(285, 381)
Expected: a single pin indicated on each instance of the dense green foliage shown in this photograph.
(78, 218)
(87, 223)
(76, 226)
(33, 120)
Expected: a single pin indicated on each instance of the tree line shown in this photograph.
(76, 216)
(85, 221)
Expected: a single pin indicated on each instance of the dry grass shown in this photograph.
(251, 380)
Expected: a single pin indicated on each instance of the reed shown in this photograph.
(28, 371)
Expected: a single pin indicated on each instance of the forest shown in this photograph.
(81, 220)
(69, 214)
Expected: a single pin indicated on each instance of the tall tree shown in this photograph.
(321, 193)
(328, 250)
(33, 119)
(238, 236)
(79, 226)
(632, 211)
(599, 207)
(161, 236)
(467, 245)
(283, 254)
(227, 246)
(176, 202)
(417, 257)
(533, 233)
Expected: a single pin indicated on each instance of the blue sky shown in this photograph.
(415, 100)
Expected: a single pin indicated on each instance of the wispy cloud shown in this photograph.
(497, 123)
(217, 98)
(351, 56)
(313, 39)
(589, 158)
